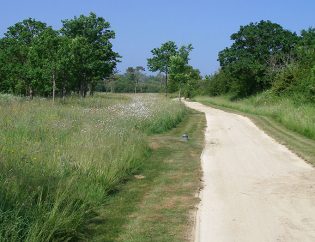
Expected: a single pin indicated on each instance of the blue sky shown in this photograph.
(141, 25)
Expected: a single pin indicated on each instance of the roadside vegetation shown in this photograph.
(296, 116)
(268, 74)
(159, 203)
(289, 123)
(60, 162)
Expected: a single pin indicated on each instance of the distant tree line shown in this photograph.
(265, 56)
(35, 59)
(134, 80)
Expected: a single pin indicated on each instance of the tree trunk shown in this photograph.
(161, 85)
(166, 80)
(81, 85)
(179, 97)
(92, 89)
(64, 82)
(63, 88)
(81, 90)
(63, 92)
(85, 89)
(54, 86)
(31, 93)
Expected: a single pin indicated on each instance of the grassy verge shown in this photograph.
(60, 162)
(159, 204)
(290, 123)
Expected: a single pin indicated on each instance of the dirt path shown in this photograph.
(254, 188)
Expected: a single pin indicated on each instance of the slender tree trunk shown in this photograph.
(92, 89)
(112, 87)
(179, 92)
(63, 87)
(63, 92)
(161, 85)
(85, 88)
(31, 93)
(81, 89)
(166, 80)
(54, 86)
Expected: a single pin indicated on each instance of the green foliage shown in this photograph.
(161, 59)
(132, 81)
(264, 56)
(215, 84)
(173, 61)
(37, 60)
(256, 48)
(134, 75)
(17, 46)
(91, 54)
(179, 68)
(192, 84)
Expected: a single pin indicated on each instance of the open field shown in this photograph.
(290, 123)
(60, 162)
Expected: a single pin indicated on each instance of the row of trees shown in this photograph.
(173, 63)
(264, 56)
(134, 80)
(35, 59)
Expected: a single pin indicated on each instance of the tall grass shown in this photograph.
(59, 162)
(294, 114)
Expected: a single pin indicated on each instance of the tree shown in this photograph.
(37, 60)
(131, 76)
(179, 69)
(92, 56)
(306, 47)
(44, 56)
(192, 85)
(248, 59)
(134, 75)
(139, 70)
(161, 59)
(17, 47)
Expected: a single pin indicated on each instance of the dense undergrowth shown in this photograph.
(58, 163)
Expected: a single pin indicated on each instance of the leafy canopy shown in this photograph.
(248, 59)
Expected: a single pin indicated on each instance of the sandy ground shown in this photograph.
(254, 188)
